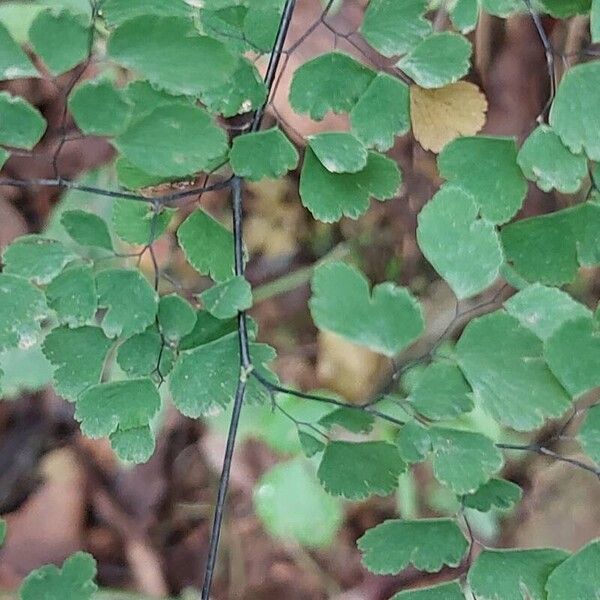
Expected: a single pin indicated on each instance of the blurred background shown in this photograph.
(148, 526)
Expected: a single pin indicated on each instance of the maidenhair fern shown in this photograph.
(118, 350)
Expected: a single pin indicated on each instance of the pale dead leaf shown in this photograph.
(275, 221)
(440, 116)
(348, 369)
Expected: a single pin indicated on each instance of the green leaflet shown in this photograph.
(74, 581)
(577, 576)
(261, 24)
(4, 156)
(543, 310)
(17, 19)
(130, 301)
(77, 7)
(184, 62)
(99, 108)
(386, 320)
(293, 506)
(463, 460)
(116, 12)
(330, 82)
(226, 24)
(133, 445)
(78, 356)
(244, 92)
(573, 355)
(264, 154)
(173, 141)
(24, 370)
(207, 329)
(311, 446)
(428, 544)
(465, 15)
(441, 392)
(87, 229)
(444, 591)
(133, 178)
(339, 152)
(356, 421)
(413, 442)
(36, 258)
(486, 168)
(207, 245)
(382, 112)
(14, 63)
(550, 248)
(589, 434)
(219, 4)
(503, 361)
(21, 125)
(514, 574)
(394, 27)
(497, 493)
(122, 408)
(176, 318)
(464, 249)
(61, 39)
(575, 112)
(546, 161)
(145, 98)
(2, 531)
(359, 470)
(22, 308)
(143, 354)
(226, 299)
(563, 9)
(502, 8)
(330, 196)
(205, 379)
(137, 223)
(72, 296)
(438, 60)
(595, 21)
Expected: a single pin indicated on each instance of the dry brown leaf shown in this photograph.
(554, 490)
(48, 527)
(13, 223)
(440, 116)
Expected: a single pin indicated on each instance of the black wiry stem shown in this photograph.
(244, 343)
(223, 486)
(59, 182)
(549, 52)
(274, 61)
(543, 451)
